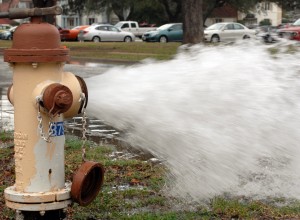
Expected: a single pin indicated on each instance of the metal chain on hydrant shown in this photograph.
(84, 122)
(45, 137)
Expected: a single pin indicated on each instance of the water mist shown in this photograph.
(223, 118)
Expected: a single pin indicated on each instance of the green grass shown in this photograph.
(132, 52)
(6, 136)
(116, 51)
(6, 178)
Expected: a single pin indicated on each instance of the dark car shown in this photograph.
(165, 33)
(267, 33)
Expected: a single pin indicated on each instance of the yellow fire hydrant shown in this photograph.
(44, 95)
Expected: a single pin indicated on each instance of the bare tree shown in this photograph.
(173, 9)
(192, 21)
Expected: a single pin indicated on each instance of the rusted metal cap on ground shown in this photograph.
(36, 42)
(57, 98)
(87, 182)
(85, 91)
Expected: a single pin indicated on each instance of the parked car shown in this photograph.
(106, 32)
(165, 33)
(292, 32)
(284, 25)
(71, 34)
(227, 31)
(133, 27)
(5, 27)
(8, 34)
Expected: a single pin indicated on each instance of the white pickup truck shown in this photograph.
(133, 27)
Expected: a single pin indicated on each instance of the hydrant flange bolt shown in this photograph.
(57, 98)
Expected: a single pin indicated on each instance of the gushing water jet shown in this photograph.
(224, 118)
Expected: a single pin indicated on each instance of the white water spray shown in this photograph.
(224, 118)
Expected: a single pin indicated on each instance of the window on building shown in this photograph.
(267, 6)
(91, 21)
(218, 20)
(71, 22)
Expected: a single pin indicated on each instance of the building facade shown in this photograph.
(267, 12)
(226, 13)
(73, 20)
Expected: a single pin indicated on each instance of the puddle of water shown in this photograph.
(102, 136)
(101, 133)
(91, 64)
(6, 111)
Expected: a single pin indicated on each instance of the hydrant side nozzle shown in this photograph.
(57, 98)
(80, 94)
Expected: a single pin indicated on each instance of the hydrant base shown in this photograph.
(58, 199)
(38, 207)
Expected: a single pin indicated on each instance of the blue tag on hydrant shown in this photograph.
(57, 129)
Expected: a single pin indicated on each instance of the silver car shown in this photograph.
(227, 31)
(106, 32)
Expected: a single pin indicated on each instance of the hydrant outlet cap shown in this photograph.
(87, 182)
(57, 98)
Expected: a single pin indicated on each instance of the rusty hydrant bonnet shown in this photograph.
(43, 45)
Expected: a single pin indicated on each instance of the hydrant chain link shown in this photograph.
(40, 124)
(84, 122)
(50, 129)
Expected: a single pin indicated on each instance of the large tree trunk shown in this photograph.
(192, 21)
